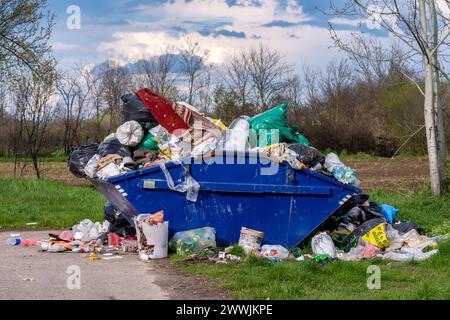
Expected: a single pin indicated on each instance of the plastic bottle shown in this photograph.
(13, 241)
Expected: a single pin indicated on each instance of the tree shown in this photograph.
(193, 62)
(422, 26)
(34, 101)
(25, 28)
(267, 73)
(237, 77)
(158, 71)
(74, 90)
(115, 81)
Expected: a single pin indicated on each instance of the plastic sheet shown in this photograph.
(190, 186)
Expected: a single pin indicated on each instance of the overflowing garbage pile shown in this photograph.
(156, 130)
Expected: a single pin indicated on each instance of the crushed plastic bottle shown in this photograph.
(13, 241)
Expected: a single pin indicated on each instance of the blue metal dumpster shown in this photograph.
(287, 205)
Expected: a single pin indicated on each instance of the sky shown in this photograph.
(129, 30)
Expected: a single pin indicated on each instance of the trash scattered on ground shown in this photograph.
(156, 132)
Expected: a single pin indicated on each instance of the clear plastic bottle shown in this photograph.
(13, 241)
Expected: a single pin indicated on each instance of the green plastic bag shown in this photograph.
(148, 143)
(272, 120)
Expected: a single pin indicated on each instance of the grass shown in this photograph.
(259, 278)
(56, 205)
(59, 158)
(51, 204)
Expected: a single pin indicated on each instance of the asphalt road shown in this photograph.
(26, 273)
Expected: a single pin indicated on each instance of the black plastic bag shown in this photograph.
(113, 146)
(79, 158)
(307, 155)
(118, 223)
(353, 238)
(134, 109)
(403, 226)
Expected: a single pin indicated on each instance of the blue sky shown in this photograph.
(128, 30)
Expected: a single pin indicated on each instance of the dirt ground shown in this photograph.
(26, 273)
(385, 173)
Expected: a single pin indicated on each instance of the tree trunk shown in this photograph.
(429, 114)
(438, 107)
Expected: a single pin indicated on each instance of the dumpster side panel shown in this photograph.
(286, 204)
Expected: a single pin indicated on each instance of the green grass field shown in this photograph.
(259, 278)
(56, 205)
(51, 204)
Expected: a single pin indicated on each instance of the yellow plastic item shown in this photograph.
(377, 237)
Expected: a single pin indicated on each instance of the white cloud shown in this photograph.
(298, 43)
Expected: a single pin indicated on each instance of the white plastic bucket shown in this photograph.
(250, 240)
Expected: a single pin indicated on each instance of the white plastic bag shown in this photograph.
(86, 230)
(323, 244)
(237, 135)
(130, 133)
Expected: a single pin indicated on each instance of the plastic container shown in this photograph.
(250, 240)
(13, 241)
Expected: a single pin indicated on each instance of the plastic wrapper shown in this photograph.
(110, 170)
(190, 185)
(130, 133)
(323, 244)
(274, 252)
(272, 123)
(90, 166)
(80, 157)
(113, 146)
(193, 241)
